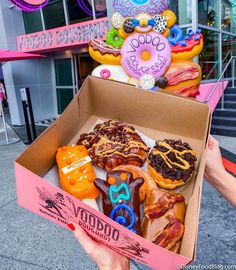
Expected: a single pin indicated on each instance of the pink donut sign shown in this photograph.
(146, 54)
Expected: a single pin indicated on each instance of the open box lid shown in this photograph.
(149, 111)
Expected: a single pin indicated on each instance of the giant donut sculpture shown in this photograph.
(132, 8)
(144, 54)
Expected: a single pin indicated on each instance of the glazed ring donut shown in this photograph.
(113, 38)
(170, 17)
(143, 29)
(105, 73)
(176, 35)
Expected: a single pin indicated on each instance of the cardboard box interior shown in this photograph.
(157, 115)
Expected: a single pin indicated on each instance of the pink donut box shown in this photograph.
(157, 115)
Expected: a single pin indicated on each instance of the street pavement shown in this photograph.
(29, 242)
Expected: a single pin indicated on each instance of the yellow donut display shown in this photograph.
(170, 17)
(103, 53)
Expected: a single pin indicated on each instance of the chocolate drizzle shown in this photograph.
(173, 160)
(103, 48)
(112, 144)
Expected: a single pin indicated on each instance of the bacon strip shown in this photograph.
(177, 76)
(173, 232)
(163, 205)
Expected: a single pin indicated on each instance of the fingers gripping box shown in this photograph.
(157, 115)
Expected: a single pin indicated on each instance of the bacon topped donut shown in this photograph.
(164, 219)
(112, 143)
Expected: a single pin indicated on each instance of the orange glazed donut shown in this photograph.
(76, 172)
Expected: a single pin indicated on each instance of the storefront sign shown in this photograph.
(63, 37)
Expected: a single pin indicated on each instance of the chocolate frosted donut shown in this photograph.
(171, 163)
(112, 144)
(120, 198)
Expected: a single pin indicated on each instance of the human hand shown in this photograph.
(105, 258)
(214, 166)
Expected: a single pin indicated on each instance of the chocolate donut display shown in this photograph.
(171, 163)
(120, 198)
(164, 219)
(112, 143)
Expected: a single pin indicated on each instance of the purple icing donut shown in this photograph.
(146, 54)
(131, 8)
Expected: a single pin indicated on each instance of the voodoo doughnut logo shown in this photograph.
(30, 5)
(63, 209)
(54, 204)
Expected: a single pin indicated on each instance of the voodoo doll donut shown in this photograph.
(171, 163)
(120, 198)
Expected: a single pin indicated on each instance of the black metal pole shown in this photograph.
(31, 113)
(24, 104)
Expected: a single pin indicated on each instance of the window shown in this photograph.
(32, 21)
(64, 83)
(183, 10)
(228, 47)
(210, 57)
(79, 10)
(228, 18)
(100, 6)
(53, 14)
(208, 13)
(63, 72)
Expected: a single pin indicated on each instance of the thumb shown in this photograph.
(85, 240)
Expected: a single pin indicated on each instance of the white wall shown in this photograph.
(35, 74)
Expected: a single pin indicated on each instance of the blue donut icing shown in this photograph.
(121, 220)
(176, 35)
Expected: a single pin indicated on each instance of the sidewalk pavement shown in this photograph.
(29, 242)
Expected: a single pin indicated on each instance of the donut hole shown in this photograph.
(116, 38)
(145, 55)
